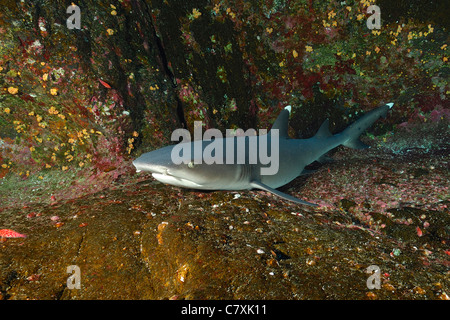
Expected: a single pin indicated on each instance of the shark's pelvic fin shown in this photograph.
(356, 144)
(306, 172)
(325, 159)
(262, 186)
(281, 123)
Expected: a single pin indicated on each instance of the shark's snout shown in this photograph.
(142, 165)
(136, 166)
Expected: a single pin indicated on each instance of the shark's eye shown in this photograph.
(191, 164)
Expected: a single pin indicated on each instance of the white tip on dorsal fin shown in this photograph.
(391, 104)
(281, 123)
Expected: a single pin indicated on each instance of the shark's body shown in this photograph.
(294, 155)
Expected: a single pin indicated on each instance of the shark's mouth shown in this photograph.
(180, 182)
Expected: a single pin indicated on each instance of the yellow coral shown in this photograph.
(196, 13)
(13, 90)
(331, 14)
(52, 110)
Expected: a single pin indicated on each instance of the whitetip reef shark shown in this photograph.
(293, 156)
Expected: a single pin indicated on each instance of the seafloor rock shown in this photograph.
(150, 241)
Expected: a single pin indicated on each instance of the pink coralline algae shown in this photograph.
(364, 189)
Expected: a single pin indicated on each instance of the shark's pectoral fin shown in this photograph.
(262, 186)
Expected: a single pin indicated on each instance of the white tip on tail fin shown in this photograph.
(353, 131)
(288, 108)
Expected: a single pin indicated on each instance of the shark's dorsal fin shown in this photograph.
(324, 130)
(282, 122)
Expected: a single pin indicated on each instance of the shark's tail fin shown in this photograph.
(353, 132)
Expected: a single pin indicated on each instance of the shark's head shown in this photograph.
(188, 175)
